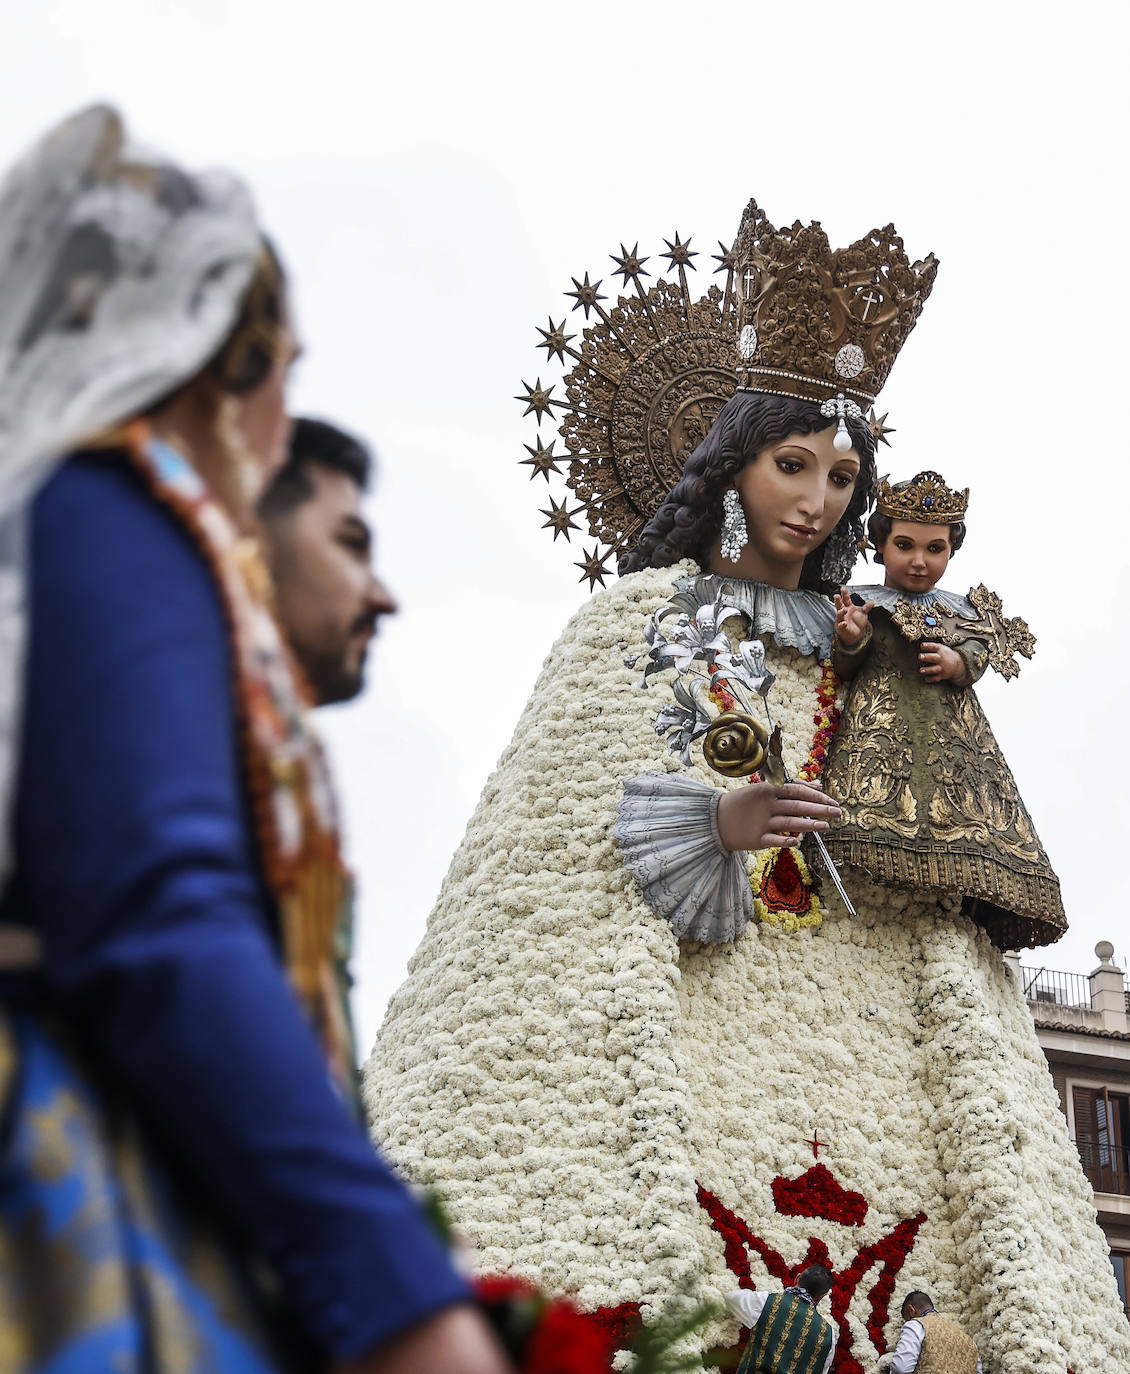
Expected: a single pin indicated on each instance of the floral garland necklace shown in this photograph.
(290, 794)
(826, 719)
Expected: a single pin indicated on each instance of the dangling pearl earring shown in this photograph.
(735, 533)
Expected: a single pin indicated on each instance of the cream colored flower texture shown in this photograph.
(566, 1074)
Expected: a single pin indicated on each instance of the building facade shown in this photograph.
(1083, 1024)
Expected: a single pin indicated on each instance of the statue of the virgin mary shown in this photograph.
(646, 1048)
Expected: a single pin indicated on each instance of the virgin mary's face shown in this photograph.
(793, 494)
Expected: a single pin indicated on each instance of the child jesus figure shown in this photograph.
(928, 800)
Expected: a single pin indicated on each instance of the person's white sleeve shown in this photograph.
(978, 1364)
(831, 1354)
(908, 1349)
(746, 1306)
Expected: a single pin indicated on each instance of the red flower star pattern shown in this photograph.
(889, 1253)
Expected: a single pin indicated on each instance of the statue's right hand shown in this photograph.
(761, 816)
(456, 1341)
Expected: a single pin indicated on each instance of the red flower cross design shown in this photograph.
(818, 1194)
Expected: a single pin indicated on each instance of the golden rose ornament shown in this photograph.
(734, 745)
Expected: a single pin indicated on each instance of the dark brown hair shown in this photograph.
(917, 1299)
(314, 443)
(688, 521)
(879, 531)
(816, 1281)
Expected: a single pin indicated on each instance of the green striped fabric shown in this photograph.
(790, 1337)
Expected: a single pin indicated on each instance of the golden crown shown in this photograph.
(925, 500)
(820, 324)
(654, 365)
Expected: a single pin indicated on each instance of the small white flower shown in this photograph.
(554, 1048)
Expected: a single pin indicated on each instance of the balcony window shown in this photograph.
(1102, 1134)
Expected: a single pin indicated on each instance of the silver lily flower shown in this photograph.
(747, 666)
(712, 614)
(692, 637)
(686, 721)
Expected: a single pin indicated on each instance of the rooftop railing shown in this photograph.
(1060, 989)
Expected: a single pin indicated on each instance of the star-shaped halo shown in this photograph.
(561, 520)
(679, 253)
(554, 339)
(586, 294)
(879, 427)
(538, 400)
(542, 460)
(629, 265)
(592, 567)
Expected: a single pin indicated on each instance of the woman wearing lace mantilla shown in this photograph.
(183, 1182)
(639, 1052)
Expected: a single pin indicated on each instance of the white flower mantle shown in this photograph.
(565, 1074)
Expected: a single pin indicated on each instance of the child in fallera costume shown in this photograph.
(928, 800)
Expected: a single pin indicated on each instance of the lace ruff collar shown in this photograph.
(794, 619)
(889, 597)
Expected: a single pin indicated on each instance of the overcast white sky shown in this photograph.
(436, 174)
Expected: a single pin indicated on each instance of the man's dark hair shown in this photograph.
(816, 1281)
(917, 1299)
(314, 442)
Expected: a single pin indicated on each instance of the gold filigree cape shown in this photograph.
(928, 799)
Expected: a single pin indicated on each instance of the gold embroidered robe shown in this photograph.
(928, 799)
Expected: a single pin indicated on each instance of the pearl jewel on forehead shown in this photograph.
(843, 408)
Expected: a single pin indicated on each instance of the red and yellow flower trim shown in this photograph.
(826, 719)
(782, 890)
(781, 879)
(720, 693)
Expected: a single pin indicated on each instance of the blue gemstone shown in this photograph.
(927, 501)
(929, 619)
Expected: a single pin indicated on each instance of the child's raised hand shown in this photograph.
(851, 620)
(939, 663)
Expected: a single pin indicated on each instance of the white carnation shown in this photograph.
(566, 1074)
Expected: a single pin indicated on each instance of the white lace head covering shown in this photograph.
(120, 276)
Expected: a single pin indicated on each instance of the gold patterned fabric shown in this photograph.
(790, 1337)
(946, 1349)
(108, 1261)
(928, 799)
